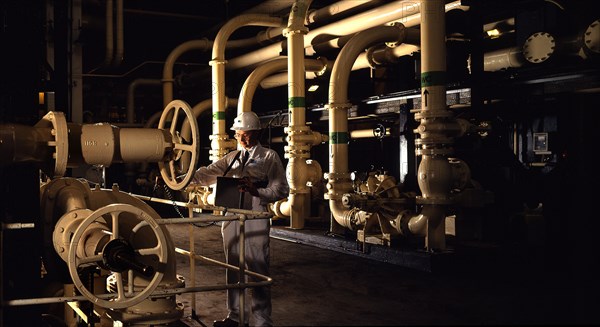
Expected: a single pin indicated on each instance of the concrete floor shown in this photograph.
(314, 286)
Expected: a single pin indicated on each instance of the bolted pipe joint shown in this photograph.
(338, 185)
(220, 144)
(442, 127)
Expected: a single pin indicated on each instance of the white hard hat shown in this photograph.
(246, 121)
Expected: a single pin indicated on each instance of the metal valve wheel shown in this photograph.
(125, 296)
(168, 168)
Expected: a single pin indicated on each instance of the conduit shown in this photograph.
(220, 142)
(338, 177)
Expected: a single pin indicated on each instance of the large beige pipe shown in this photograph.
(220, 142)
(382, 56)
(434, 173)
(298, 148)
(167, 76)
(262, 72)
(338, 176)
(386, 14)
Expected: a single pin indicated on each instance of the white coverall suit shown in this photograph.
(263, 164)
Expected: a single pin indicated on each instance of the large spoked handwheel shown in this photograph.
(168, 168)
(124, 260)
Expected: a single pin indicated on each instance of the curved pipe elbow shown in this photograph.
(281, 208)
(342, 215)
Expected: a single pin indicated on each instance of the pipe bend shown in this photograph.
(237, 22)
(358, 43)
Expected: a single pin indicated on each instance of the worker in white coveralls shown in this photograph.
(263, 177)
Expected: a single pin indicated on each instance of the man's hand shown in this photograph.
(247, 186)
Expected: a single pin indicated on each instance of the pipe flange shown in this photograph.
(59, 129)
(217, 62)
(370, 60)
(425, 114)
(297, 129)
(401, 35)
(325, 62)
(338, 106)
(402, 220)
(539, 47)
(591, 37)
(287, 32)
(435, 152)
(434, 200)
(337, 176)
(434, 140)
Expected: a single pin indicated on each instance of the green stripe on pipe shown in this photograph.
(219, 115)
(433, 78)
(295, 102)
(338, 137)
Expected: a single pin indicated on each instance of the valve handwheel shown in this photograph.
(167, 168)
(125, 296)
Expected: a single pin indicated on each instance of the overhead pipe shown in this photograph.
(308, 172)
(386, 14)
(323, 14)
(338, 177)
(131, 95)
(167, 76)
(109, 55)
(376, 56)
(501, 59)
(220, 142)
(120, 48)
(254, 80)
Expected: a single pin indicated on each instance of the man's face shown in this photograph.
(247, 139)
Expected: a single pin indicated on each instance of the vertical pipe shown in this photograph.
(434, 173)
(297, 152)
(167, 78)
(221, 144)
(339, 178)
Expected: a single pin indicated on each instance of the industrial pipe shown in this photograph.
(386, 14)
(167, 75)
(437, 129)
(262, 72)
(338, 176)
(220, 142)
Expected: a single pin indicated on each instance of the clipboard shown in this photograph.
(227, 193)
